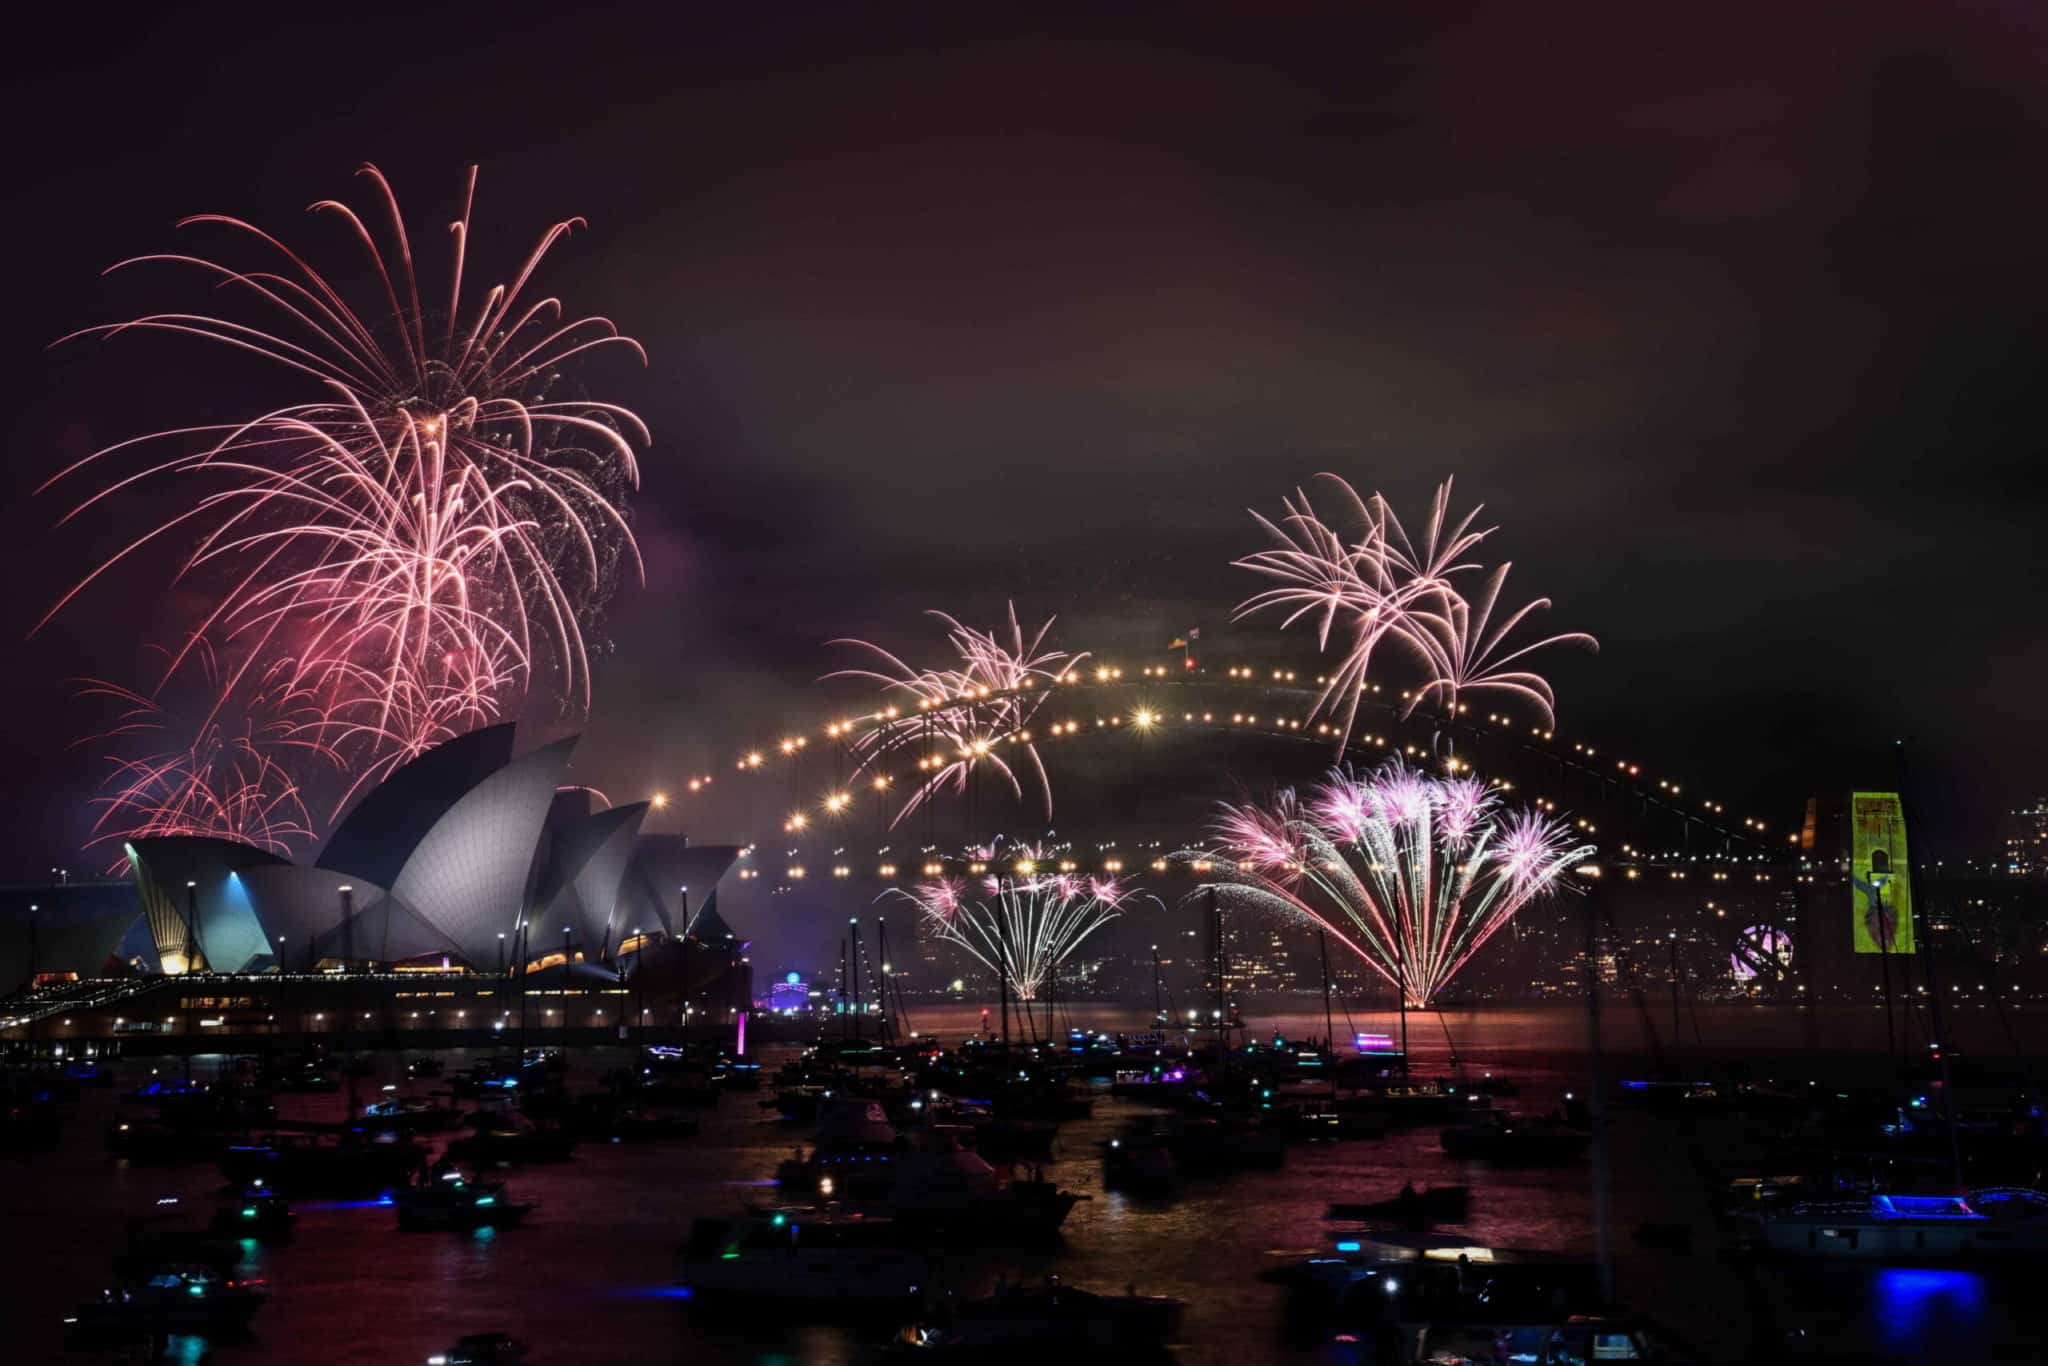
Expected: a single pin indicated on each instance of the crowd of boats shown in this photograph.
(430, 1158)
(903, 1150)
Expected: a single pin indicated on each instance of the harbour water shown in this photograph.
(590, 1277)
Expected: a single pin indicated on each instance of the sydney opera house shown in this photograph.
(468, 860)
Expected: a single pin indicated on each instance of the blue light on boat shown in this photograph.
(1348, 1247)
(1924, 1207)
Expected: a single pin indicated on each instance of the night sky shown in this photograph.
(1732, 315)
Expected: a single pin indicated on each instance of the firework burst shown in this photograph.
(1384, 589)
(1020, 928)
(227, 784)
(1410, 872)
(955, 717)
(424, 536)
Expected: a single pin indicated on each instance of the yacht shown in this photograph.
(1028, 1321)
(1999, 1222)
(1418, 1208)
(410, 1114)
(503, 1136)
(482, 1349)
(804, 1256)
(150, 1247)
(1139, 1166)
(1502, 1137)
(306, 1164)
(256, 1211)
(1571, 1341)
(172, 1300)
(452, 1201)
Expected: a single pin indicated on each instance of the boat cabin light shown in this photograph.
(1452, 1254)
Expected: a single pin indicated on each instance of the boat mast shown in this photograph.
(882, 991)
(1329, 1030)
(1158, 1007)
(1937, 1040)
(1222, 973)
(853, 927)
(1603, 1248)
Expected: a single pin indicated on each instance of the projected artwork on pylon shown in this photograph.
(1881, 892)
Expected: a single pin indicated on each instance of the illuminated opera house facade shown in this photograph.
(468, 858)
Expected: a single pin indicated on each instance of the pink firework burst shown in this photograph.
(430, 531)
(1021, 928)
(1382, 587)
(223, 785)
(1411, 873)
(972, 713)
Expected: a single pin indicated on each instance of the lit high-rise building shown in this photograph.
(2023, 840)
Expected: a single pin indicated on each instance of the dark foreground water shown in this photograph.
(589, 1278)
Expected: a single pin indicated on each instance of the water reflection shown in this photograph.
(1921, 1310)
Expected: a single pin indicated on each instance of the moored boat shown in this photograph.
(452, 1201)
(1908, 1229)
(191, 1300)
(1029, 1321)
(1410, 1206)
(810, 1257)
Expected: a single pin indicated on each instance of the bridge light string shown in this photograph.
(952, 763)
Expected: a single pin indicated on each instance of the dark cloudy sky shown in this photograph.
(1732, 315)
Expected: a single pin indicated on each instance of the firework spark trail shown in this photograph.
(424, 538)
(1411, 873)
(1388, 588)
(962, 713)
(1020, 928)
(226, 784)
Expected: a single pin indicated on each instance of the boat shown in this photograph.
(1579, 1338)
(1139, 1167)
(941, 1185)
(159, 1140)
(1910, 1229)
(485, 1079)
(1515, 1138)
(256, 1212)
(148, 1248)
(160, 1089)
(1410, 1206)
(1028, 1321)
(307, 1079)
(501, 1136)
(815, 1257)
(86, 1072)
(1216, 1142)
(185, 1300)
(453, 1201)
(422, 1068)
(1410, 1102)
(481, 1349)
(737, 1075)
(619, 1118)
(307, 1164)
(1369, 1283)
(1316, 1121)
(410, 1115)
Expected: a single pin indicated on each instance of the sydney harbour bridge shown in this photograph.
(1114, 768)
